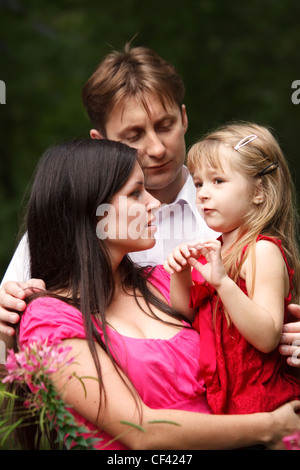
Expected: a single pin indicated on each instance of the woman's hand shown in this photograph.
(286, 423)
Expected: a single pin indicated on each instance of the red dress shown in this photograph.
(239, 378)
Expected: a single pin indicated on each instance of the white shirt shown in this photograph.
(176, 223)
(19, 266)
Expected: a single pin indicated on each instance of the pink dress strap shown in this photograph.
(160, 279)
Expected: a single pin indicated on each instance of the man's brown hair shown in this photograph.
(122, 75)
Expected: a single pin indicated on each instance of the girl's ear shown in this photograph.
(259, 195)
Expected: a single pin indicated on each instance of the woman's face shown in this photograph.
(127, 222)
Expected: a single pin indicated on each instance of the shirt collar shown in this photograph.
(188, 190)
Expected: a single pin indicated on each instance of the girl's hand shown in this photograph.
(177, 260)
(214, 271)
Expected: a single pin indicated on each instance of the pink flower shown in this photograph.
(33, 366)
(35, 360)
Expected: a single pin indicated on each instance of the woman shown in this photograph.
(88, 209)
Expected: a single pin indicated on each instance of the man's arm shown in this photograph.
(290, 339)
(12, 295)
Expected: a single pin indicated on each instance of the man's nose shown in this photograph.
(155, 147)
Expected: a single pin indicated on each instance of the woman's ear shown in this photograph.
(259, 195)
(94, 134)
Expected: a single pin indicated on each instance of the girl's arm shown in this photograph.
(260, 318)
(193, 430)
(181, 279)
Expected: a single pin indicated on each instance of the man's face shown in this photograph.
(157, 134)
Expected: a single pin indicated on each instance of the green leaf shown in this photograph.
(163, 422)
(10, 430)
(42, 418)
(133, 425)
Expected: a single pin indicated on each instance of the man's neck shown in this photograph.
(168, 194)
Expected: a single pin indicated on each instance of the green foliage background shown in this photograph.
(238, 61)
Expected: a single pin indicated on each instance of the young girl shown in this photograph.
(242, 282)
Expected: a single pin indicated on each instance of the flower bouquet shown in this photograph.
(29, 372)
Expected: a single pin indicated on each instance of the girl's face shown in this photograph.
(224, 195)
(127, 222)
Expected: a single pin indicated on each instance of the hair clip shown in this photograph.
(268, 169)
(245, 141)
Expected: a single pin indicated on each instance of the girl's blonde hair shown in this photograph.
(277, 214)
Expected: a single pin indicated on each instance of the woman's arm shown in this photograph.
(193, 430)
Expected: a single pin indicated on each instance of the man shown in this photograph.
(136, 97)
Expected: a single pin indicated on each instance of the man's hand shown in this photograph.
(12, 295)
(290, 339)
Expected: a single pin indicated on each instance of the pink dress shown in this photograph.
(166, 373)
(239, 378)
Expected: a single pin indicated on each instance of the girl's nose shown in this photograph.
(202, 193)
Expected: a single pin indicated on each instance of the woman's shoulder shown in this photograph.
(47, 307)
(50, 303)
(160, 279)
(50, 317)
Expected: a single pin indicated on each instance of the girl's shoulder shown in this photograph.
(267, 244)
(268, 250)
(270, 246)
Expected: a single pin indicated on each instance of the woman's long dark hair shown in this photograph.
(71, 181)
